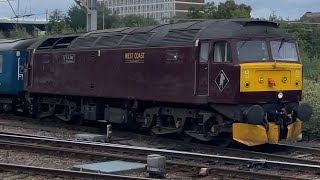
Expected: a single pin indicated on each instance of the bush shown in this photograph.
(2, 36)
(311, 67)
(311, 89)
(19, 33)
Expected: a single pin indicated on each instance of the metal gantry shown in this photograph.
(91, 8)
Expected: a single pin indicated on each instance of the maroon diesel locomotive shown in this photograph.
(199, 79)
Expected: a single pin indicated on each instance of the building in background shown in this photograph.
(161, 10)
(311, 17)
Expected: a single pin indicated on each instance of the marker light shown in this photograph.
(261, 80)
(247, 84)
(280, 95)
(284, 79)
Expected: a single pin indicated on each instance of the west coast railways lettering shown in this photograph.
(137, 57)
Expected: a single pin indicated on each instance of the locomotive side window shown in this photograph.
(172, 55)
(204, 53)
(1, 62)
(221, 52)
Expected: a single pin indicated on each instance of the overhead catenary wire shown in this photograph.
(13, 10)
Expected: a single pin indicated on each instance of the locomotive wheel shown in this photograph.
(154, 134)
(185, 137)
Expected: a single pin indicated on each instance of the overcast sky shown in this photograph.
(293, 9)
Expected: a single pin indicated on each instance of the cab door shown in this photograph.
(224, 73)
(202, 70)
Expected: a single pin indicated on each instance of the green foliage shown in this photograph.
(134, 21)
(37, 33)
(308, 38)
(2, 36)
(58, 24)
(109, 19)
(311, 94)
(274, 17)
(225, 10)
(19, 33)
(76, 18)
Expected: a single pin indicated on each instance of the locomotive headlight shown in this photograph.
(261, 80)
(280, 95)
(296, 83)
(247, 84)
(284, 79)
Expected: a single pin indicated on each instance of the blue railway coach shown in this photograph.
(13, 57)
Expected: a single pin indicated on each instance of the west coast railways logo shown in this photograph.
(134, 57)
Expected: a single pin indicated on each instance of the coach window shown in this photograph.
(172, 55)
(1, 62)
(221, 52)
(204, 52)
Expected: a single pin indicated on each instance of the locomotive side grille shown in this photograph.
(84, 42)
(180, 36)
(47, 44)
(109, 41)
(136, 39)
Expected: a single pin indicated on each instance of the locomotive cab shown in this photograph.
(267, 75)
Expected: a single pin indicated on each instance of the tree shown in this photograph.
(273, 17)
(135, 21)
(58, 24)
(2, 36)
(76, 18)
(19, 33)
(226, 10)
(109, 19)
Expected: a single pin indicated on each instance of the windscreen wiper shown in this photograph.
(243, 44)
(281, 44)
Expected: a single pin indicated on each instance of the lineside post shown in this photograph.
(92, 15)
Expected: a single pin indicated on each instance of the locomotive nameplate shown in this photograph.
(134, 57)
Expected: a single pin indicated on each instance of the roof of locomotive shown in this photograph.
(167, 35)
(15, 44)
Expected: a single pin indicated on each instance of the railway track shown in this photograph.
(180, 158)
(214, 149)
(81, 128)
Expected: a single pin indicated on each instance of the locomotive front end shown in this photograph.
(270, 92)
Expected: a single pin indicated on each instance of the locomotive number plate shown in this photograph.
(69, 58)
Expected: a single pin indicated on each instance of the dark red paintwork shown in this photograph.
(157, 79)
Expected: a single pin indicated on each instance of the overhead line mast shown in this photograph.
(91, 7)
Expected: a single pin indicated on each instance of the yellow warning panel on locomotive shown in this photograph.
(270, 76)
(249, 134)
(294, 131)
(273, 133)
